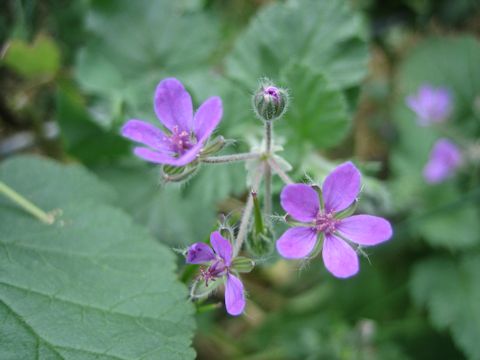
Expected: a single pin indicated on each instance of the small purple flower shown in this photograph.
(339, 191)
(445, 159)
(187, 132)
(219, 260)
(432, 105)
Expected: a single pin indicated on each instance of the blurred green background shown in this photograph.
(72, 72)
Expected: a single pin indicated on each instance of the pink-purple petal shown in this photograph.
(339, 257)
(163, 158)
(147, 134)
(341, 187)
(234, 295)
(431, 104)
(222, 247)
(199, 253)
(297, 242)
(173, 105)
(365, 229)
(207, 117)
(300, 201)
(155, 156)
(445, 159)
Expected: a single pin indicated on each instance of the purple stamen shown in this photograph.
(326, 223)
(215, 270)
(180, 141)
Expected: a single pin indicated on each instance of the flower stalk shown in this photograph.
(26, 205)
(230, 158)
(268, 170)
(247, 214)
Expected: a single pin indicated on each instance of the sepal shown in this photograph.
(243, 264)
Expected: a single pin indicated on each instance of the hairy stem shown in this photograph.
(267, 169)
(25, 204)
(247, 213)
(278, 170)
(230, 158)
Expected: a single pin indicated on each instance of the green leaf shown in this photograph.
(318, 112)
(451, 291)
(82, 136)
(325, 35)
(136, 44)
(39, 59)
(91, 286)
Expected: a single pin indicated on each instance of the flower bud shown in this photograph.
(260, 245)
(269, 101)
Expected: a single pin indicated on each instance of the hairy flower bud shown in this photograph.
(261, 245)
(269, 102)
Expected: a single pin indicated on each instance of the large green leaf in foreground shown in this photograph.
(91, 286)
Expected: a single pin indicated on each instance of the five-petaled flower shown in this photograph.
(219, 260)
(187, 132)
(445, 159)
(432, 105)
(340, 189)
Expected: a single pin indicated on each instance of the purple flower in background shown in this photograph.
(220, 260)
(432, 105)
(187, 132)
(339, 191)
(445, 159)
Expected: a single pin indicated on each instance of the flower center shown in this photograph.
(214, 271)
(180, 141)
(326, 223)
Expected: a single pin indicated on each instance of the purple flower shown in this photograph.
(339, 191)
(219, 260)
(432, 105)
(187, 133)
(445, 159)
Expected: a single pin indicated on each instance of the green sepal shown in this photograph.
(243, 264)
(318, 246)
(213, 146)
(348, 211)
(178, 173)
(199, 289)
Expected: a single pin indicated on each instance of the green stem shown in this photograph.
(25, 204)
(247, 212)
(230, 158)
(268, 169)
